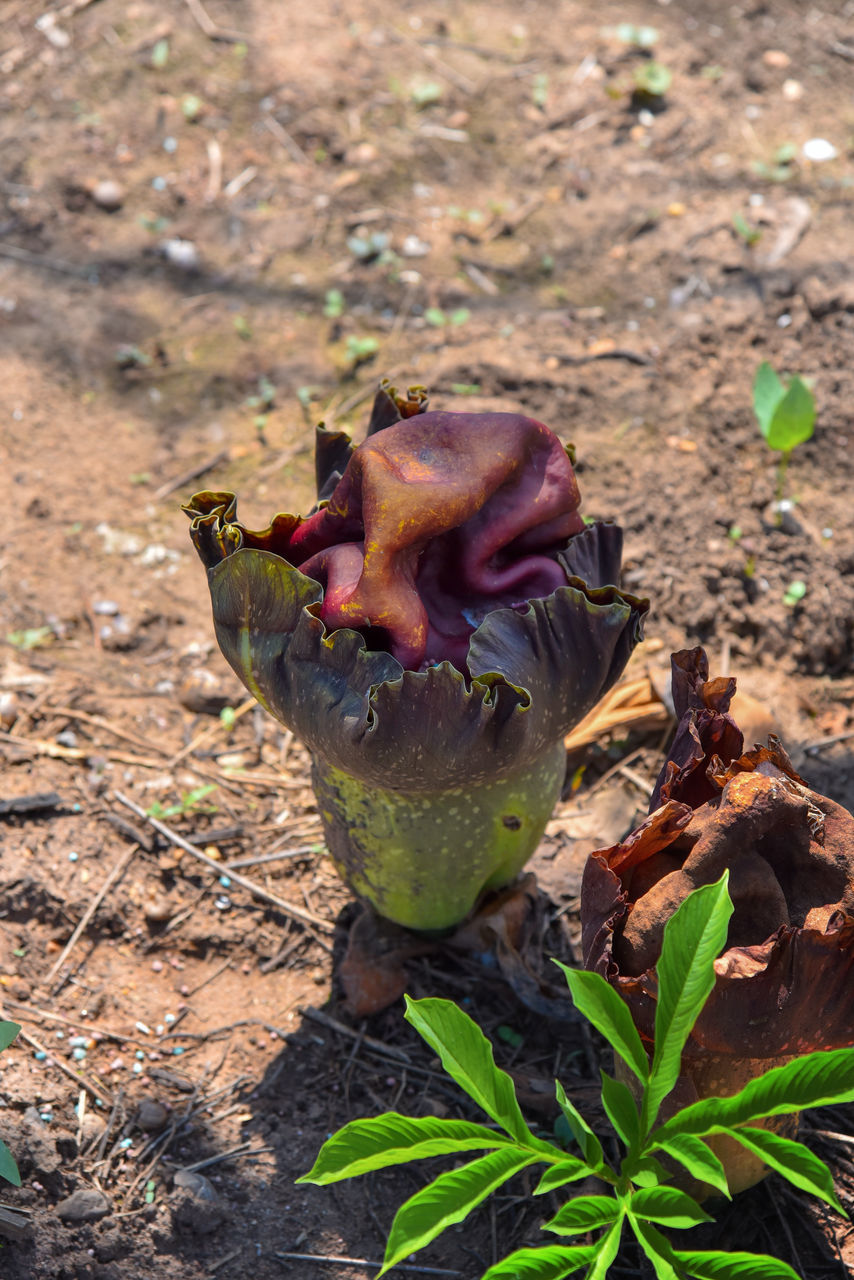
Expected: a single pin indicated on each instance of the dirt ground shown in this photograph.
(218, 224)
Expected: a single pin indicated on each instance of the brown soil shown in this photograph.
(541, 239)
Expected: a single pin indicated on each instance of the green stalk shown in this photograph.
(423, 858)
(782, 468)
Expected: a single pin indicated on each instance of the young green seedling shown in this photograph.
(8, 1168)
(786, 417)
(636, 1195)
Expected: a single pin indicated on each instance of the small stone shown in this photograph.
(152, 1115)
(108, 195)
(818, 150)
(196, 1204)
(180, 253)
(203, 692)
(158, 909)
(84, 1205)
(10, 709)
(776, 58)
(67, 738)
(793, 90)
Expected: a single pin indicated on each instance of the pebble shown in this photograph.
(10, 709)
(108, 195)
(819, 149)
(197, 1206)
(158, 910)
(203, 692)
(151, 1115)
(84, 1205)
(180, 253)
(67, 738)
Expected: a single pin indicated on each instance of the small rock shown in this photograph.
(202, 692)
(67, 738)
(180, 253)
(158, 910)
(84, 1205)
(152, 1115)
(776, 58)
(196, 1204)
(819, 150)
(108, 195)
(10, 709)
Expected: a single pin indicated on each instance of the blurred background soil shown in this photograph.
(220, 223)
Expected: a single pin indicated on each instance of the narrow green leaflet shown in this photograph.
(621, 1110)
(816, 1080)
(600, 1004)
(768, 391)
(591, 1147)
(584, 1213)
(694, 1155)
(606, 1247)
(793, 420)
(8, 1168)
(558, 1175)
(793, 1160)
(551, 1263)
(656, 1248)
(389, 1139)
(668, 1206)
(693, 938)
(713, 1265)
(8, 1031)
(466, 1055)
(449, 1199)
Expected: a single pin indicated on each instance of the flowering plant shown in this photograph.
(430, 631)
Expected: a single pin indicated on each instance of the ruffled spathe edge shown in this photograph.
(533, 673)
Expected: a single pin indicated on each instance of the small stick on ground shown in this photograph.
(332, 1024)
(113, 878)
(287, 908)
(210, 28)
(186, 476)
(335, 1260)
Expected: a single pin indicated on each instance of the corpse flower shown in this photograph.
(785, 983)
(430, 632)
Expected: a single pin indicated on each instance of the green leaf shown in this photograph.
(693, 938)
(793, 420)
(448, 1200)
(768, 391)
(702, 1163)
(8, 1168)
(668, 1206)
(713, 1265)
(584, 1213)
(656, 1248)
(649, 1172)
(793, 1160)
(466, 1055)
(551, 1263)
(390, 1139)
(8, 1031)
(606, 1251)
(599, 1003)
(558, 1175)
(816, 1080)
(621, 1110)
(591, 1147)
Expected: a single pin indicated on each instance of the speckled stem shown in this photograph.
(423, 859)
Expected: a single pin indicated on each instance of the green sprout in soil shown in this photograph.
(640, 1193)
(191, 802)
(786, 417)
(747, 231)
(794, 593)
(652, 80)
(333, 304)
(8, 1168)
